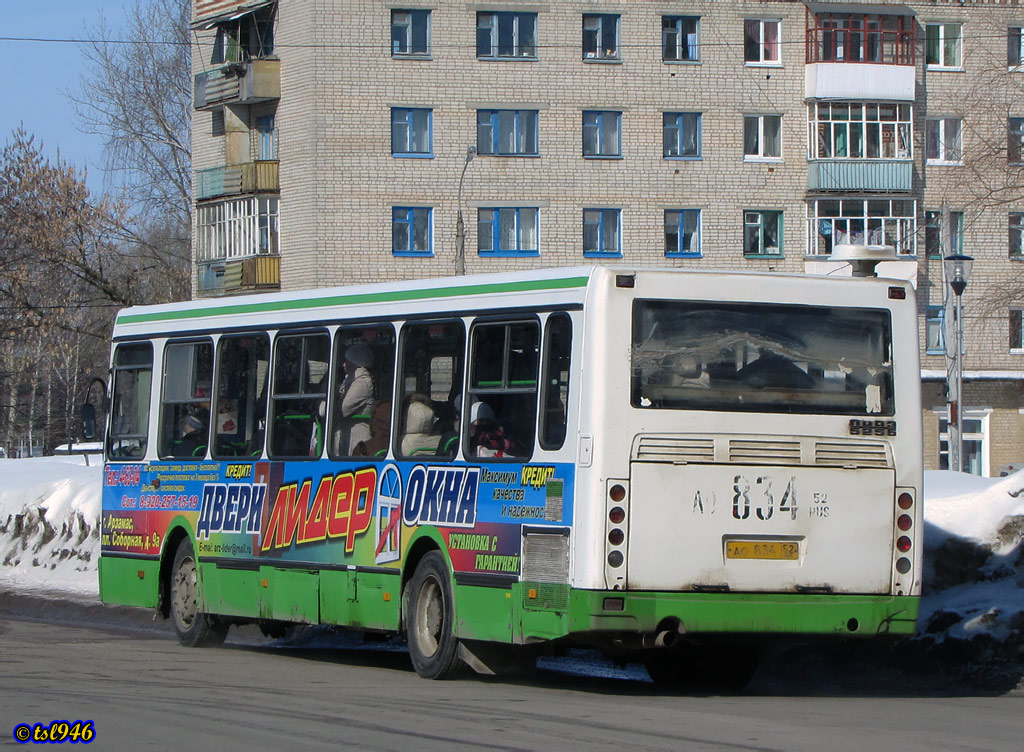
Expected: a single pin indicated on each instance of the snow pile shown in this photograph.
(974, 569)
(49, 524)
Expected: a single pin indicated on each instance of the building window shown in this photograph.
(1017, 235)
(1016, 140)
(602, 234)
(600, 37)
(507, 232)
(942, 45)
(762, 233)
(1016, 330)
(879, 221)
(974, 435)
(934, 330)
(943, 140)
(679, 39)
(602, 135)
(761, 42)
(237, 229)
(762, 136)
(410, 33)
(412, 231)
(682, 135)
(852, 130)
(506, 36)
(682, 232)
(266, 138)
(933, 244)
(507, 132)
(1014, 46)
(411, 132)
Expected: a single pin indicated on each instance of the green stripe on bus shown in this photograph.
(391, 296)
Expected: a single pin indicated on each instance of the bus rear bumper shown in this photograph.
(742, 613)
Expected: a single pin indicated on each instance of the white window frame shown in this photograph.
(1015, 320)
(239, 228)
(675, 39)
(982, 414)
(933, 221)
(941, 146)
(862, 219)
(826, 124)
(759, 155)
(1015, 47)
(935, 328)
(762, 46)
(1015, 140)
(599, 53)
(1015, 221)
(942, 30)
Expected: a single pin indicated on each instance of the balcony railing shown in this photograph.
(253, 274)
(246, 83)
(250, 177)
(828, 44)
(884, 175)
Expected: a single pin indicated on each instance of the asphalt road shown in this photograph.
(143, 691)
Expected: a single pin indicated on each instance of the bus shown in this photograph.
(674, 467)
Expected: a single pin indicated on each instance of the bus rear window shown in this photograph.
(758, 357)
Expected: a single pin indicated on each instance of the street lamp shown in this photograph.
(956, 269)
(460, 227)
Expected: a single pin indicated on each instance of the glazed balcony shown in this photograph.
(881, 175)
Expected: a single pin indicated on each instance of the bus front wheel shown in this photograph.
(193, 627)
(433, 646)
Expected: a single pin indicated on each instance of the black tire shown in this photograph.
(193, 627)
(430, 623)
(699, 668)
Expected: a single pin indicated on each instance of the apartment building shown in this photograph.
(340, 141)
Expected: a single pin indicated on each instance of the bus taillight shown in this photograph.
(616, 533)
(904, 522)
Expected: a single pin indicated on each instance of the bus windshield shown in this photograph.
(761, 357)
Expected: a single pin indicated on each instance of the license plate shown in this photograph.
(762, 549)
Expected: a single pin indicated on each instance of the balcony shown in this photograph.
(257, 80)
(231, 277)
(232, 180)
(883, 175)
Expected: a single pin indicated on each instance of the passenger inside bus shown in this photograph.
(486, 437)
(419, 436)
(356, 399)
(193, 432)
(380, 433)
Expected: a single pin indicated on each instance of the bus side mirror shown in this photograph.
(88, 421)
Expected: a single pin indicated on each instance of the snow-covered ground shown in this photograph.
(974, 569)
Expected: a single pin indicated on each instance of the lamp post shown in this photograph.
(460, 227)
(956, 269)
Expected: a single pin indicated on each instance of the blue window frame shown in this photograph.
(602, 134)
(679, 39)
(510, 231)
(410, 33)
(412, 132)
(506, 36)
(682, 135)
(507, 132)
(412, 231)
(602, 232)
(682, 232)
(600, 37)
(935, 330)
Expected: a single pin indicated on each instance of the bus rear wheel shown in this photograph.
(433, 646)
(193, 627)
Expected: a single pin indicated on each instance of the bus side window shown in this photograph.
(298, 399)
(128, 436)
(502, 409)
(364, 376)
(431, 381)
(555, 385)
(240, 412)
(185, 402)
